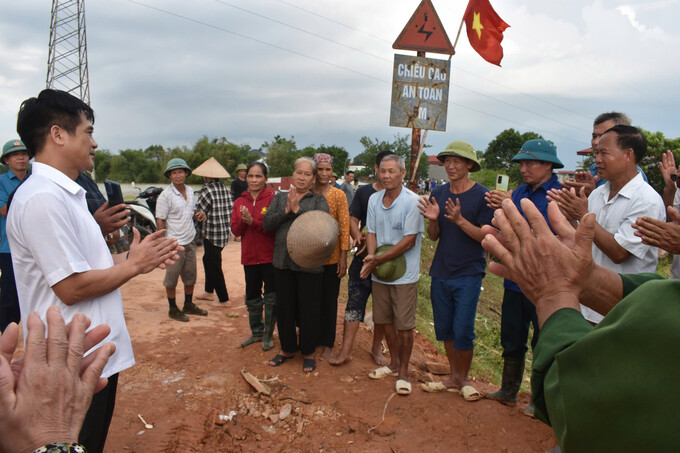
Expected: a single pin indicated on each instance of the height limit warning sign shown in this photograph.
(420, 92)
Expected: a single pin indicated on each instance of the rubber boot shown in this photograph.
(254, 307)
(513, 370)
(269, 321)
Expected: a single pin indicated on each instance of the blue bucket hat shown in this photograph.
(175, 164)
(539, 149)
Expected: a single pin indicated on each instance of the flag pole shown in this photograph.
(459, 30)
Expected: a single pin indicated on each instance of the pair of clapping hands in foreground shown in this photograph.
(556, 270)
(45, 394)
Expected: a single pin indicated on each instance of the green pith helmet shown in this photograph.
(461, 149)
(12, 146)
(538, 149)
(175, 164)
(240, 167)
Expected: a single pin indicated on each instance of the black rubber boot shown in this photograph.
(254, 307)
(513, 370)
(269, 321)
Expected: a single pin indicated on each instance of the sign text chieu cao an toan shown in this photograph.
(420, 92)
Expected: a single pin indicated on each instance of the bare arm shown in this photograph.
(453, 214)
(372, 261)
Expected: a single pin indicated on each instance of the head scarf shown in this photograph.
(323, 157)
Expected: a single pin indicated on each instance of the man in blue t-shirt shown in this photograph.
(15, 156)
(537, 158)
(456, 213)
(393, 220)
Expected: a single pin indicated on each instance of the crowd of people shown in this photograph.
(578, 260)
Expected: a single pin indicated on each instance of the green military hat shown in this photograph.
(461, 149)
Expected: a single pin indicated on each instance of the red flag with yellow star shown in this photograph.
(485, 30)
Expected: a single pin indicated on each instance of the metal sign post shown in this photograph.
(420, 87)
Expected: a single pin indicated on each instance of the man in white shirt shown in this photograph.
(59, 254)
(176, 211)
(617, 204)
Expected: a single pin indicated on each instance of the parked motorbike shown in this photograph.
(142, 214)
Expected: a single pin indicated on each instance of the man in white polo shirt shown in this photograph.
(617, 205)
(59, 254)
(176, 211)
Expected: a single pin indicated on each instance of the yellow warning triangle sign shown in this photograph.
(424, 32)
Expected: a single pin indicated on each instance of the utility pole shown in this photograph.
(67, 57)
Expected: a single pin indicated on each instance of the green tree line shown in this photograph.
(147, 165)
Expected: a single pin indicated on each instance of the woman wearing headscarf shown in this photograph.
(336, 266)
(297, 289)
(257, 251)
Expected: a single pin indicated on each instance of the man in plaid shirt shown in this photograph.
(215, 201)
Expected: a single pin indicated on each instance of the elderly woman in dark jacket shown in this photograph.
(298, 290)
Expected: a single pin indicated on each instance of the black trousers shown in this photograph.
(329, 305)
(98, 418)
(214, 277)
(257, 276)
(298, 293)
(516, 314)
(9, 301)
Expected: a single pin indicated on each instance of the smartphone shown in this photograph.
(113, 192)
(502, 182)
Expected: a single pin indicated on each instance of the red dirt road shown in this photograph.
(187, 374)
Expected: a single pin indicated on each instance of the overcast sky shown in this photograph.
(168, 72)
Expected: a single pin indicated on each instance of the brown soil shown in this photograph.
(188, 374)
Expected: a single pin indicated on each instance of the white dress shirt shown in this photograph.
(52, 236)
(616, 216)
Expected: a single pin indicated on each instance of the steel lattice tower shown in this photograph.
(67, 59)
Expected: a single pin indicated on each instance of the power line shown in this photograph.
(259, 41)
(458, 69)
(390, 61)
(356, 49)
(330, 19)
(344, 68)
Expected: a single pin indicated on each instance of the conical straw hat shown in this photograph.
(312, 238)
(211, 169)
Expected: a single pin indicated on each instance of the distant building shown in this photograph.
(436, 170)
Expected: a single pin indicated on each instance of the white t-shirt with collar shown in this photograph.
(178, 213)
(52, 235)
(637, 198)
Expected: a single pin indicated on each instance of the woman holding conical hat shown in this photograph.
(298, 289)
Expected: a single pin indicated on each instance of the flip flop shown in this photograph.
(382, 372)
(278, 360)
(470, 393)
(403, 387)
(436, 387)
(308, 365)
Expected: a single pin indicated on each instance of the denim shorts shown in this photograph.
(454, 305)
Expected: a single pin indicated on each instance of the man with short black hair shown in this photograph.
(617, 205)
(58, 250)
(346, 186)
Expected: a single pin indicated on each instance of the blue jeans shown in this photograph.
(454, 305)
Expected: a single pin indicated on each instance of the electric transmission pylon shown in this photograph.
(67, 59)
